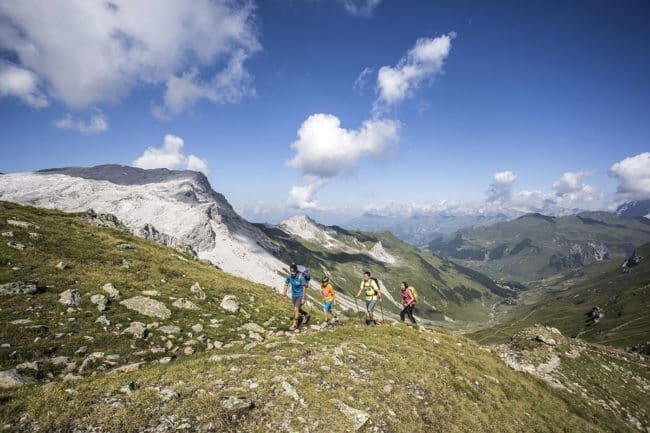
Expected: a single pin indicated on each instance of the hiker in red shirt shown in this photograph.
(408, 301)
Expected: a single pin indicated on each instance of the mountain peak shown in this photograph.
(634, 209)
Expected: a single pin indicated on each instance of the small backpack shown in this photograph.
(305, 273)
(416, 296)
(376, 282)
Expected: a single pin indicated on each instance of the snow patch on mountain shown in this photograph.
(171, 207)
(307, 229)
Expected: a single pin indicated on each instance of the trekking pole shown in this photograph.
(381, 307)
(357, 305)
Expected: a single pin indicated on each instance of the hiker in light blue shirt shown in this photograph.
(298, 285)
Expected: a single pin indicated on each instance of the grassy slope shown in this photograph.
(444, 288)
(395, 374)
(548, 237)
(563, 302)
(404, 379)
(95, 260)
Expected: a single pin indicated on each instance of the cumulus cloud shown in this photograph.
(571, 190)
(22, 84)
(422, 62)
(92, 52)
(633, 175)
(361, 8)
(96, 123)
(170, 156)
(324, 150)
(501, 187)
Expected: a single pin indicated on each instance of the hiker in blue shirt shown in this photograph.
(298, 285)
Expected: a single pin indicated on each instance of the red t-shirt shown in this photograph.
(407, 297)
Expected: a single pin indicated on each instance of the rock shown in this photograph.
(169, 329)
(236, 404)
(433, 340)
(189, 350)
(129, 387)
(71, 298)
(68, 377)
(100, 301)
(254, 336)
(185, 304)
(19, 288)
(111, 291)
(34, 365)
(12, 379)
(359, 417)
(137, 330)
(165, 360)
(7, 234)
(61, 266)
(154, 293)
(147, 306)
(21, 322)
(21, 224)
(254, 327)
(127, 368)
(198, 328)
(230, 303)
(198, 291)
(60, 360)
(546, 340)
(36, 236)
(102, 320)
(167, 394)
(16, 246)
(82, 350)
(290, 390)
(126, 246)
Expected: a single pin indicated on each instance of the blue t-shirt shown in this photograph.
(297, 284)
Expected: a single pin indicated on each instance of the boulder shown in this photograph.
(154, 293)
(126, 246)
(21, 224)
(102, 320)
(358, 417)
(137, 330)
(198, 328)
(236, 404)
(147, 306)
(35, 236)
(169, 329)
(61, 266)
(185, 304)
(198, 292)
(19, 288)
(60, 361)
(100, 301)
(71, 298)
(34, 365)
(254, 327)
(111, 291)
(16, 246)
(127, 368)
(12, 379)
(21, 322)
(546, 340)
(230, 303)
(7, 234)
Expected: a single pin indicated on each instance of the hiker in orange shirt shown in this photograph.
(328, 297)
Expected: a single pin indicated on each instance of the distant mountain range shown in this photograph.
(634, 209)
(535, 246)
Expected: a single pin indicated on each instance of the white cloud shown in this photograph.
(361, 8)
(633, 174)
(571, 191)
(22, 84)
(170, 156)
(93, 52)
(324, 150)
(501, 186)
(360, 83)
(96, 123)
(424, 61)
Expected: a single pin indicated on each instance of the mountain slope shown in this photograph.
(447, 291)
(536, 246)
(244, 373)
(565, 301)
(175, 207)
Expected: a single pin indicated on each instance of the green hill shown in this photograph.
(63, 372)
(564, 302)
(536, 246)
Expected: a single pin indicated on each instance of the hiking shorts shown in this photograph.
(297, 301)
(327, 306)
(370, 305)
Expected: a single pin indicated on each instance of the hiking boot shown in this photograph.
(307, 317)
(293, 327)
(373, 323)
(367, 321)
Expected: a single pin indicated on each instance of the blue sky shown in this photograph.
(531, 104)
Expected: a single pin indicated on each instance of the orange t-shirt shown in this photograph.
(328, 292)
